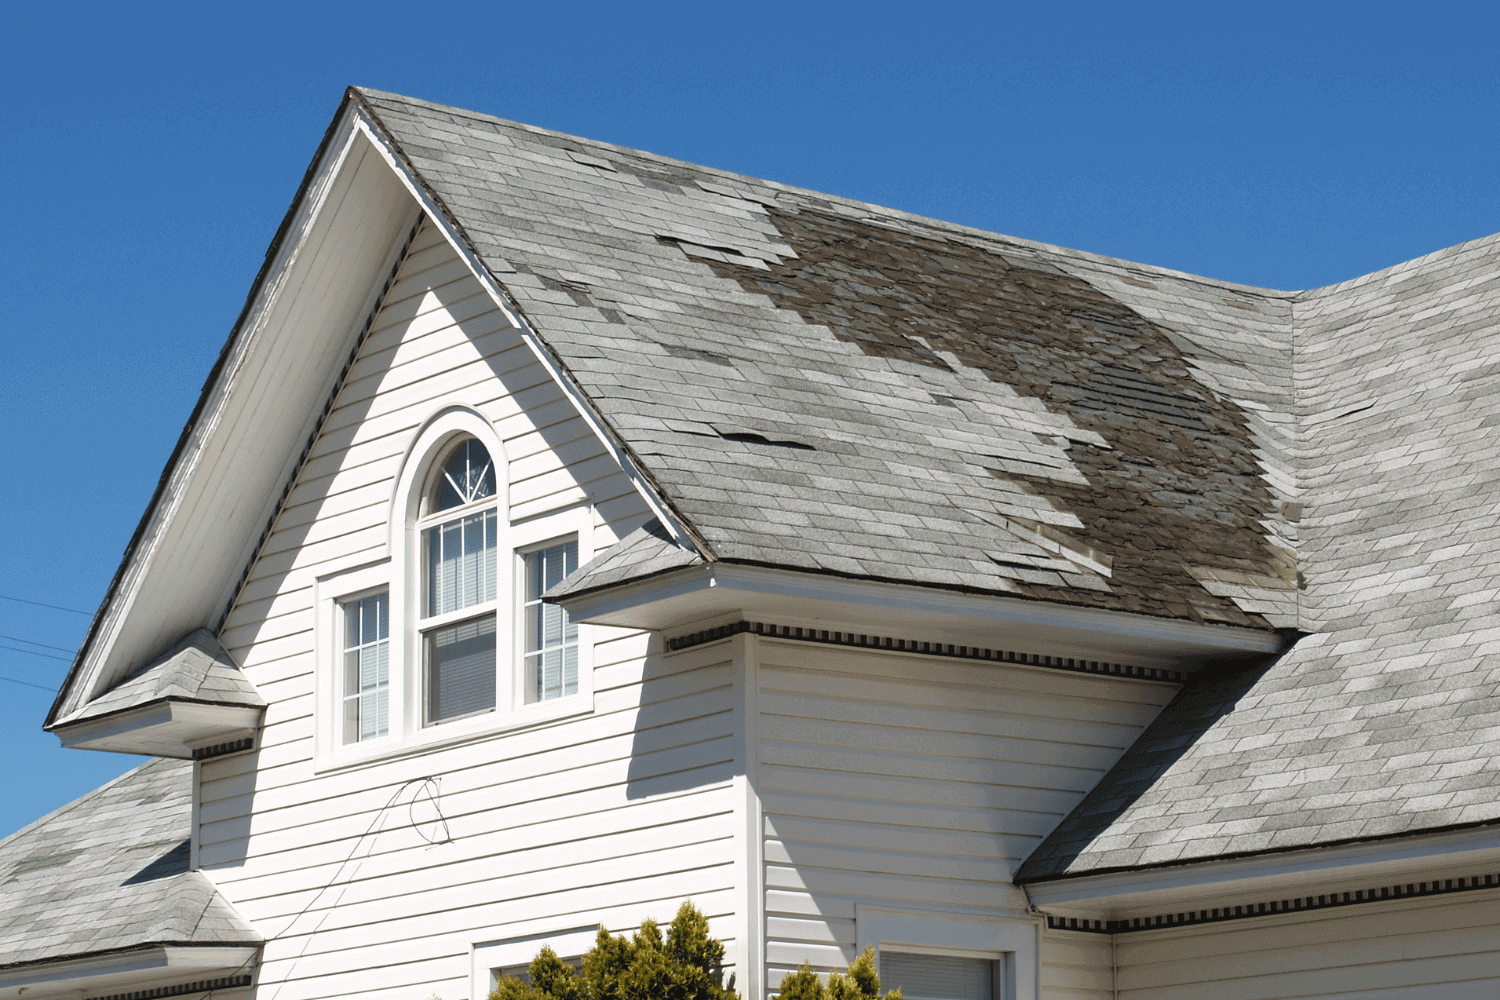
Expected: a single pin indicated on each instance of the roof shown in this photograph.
(819, 384)
(195, 668)
(109, 871)
(824, 385)
(645, 552)
(1386, 720)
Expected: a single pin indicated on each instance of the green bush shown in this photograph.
(688, 965)
(859, 982)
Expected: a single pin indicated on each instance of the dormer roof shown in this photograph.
(190, 698)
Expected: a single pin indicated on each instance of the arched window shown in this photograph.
(456, 617)
(448, 636)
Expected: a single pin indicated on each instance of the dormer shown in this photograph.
(189, 702)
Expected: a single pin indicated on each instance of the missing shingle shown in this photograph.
(750, 437)
(590, 161)
(942, 400)
(42, 862)
(696, 355)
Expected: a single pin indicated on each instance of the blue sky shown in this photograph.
(149, 154)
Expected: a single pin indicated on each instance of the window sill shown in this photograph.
(444, 736)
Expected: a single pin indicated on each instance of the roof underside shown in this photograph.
(109, 871)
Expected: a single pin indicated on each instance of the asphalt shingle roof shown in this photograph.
(825, 385)
(109, 871)
(195, 668)
(1386, 720)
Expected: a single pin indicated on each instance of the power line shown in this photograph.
(33, 652)
(39, 604)
(33, 642)
(40, 687)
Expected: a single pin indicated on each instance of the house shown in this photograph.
(565, 531)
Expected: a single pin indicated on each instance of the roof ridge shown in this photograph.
(1411, 264)
(941, 225)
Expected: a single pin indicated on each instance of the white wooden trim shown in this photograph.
(749, 822)
(503, 301)
(491, 955)
(247, 373)
(1241, 878)
(792, 597)
(127, 970)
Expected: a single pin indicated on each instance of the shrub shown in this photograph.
(859, 982)
(687, 965)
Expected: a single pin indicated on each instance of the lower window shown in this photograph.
(938, 977)
(367, 664)
(551, 640)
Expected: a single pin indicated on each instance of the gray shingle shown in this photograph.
(110, 871)
(195, 668)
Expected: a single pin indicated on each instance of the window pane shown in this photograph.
(937, 977)
(461, 669)
(366, 668)
(467, 477)
(461, 562)
(551, 661)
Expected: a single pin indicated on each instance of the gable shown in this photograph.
(258, 407)
(439, 342)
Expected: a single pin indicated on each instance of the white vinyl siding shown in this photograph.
(1077, 966)
(371, 881)
(918, 783)
(1437, 949)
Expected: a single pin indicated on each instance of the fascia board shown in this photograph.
(99, 657)
(677, 526)
(783, 596)
(1376, 862)
(162, 726)
(128, 968)
(67, 696)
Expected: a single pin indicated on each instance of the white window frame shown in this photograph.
(332, 592)
(423, 624)
(1012, 943)
(488, 957)
(402, 572)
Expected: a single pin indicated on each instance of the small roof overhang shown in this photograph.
(128, 970)
(1264, 877)
(166, 728)
(708, 594)
(191, 700)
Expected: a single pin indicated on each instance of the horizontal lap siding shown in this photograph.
(920, 784)
(1076, 966)
(1441, 949)
(373, 881)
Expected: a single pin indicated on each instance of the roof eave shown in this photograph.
(166, 727)
(683, 598)
(126, 969)
(1272, 874)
